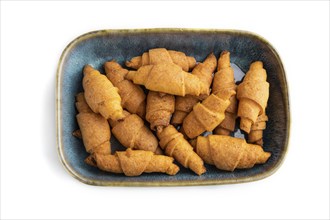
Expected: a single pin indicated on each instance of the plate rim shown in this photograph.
(104, 32)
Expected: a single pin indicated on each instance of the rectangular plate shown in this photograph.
(97, 47)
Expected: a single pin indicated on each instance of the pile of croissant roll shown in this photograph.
(165, 121)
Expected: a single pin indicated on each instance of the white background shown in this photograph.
(35, 185)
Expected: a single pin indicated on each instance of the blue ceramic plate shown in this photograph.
(97, 47)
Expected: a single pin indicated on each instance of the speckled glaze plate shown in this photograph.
(97, 47)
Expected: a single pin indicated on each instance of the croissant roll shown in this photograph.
(101, 96)
(167, 78)
(159, 109)
(95, 130)
(135, 162)
(253, 95)
(227, 125)
(184, 105)
(132, 96)
(174, 145)
(206, 115)
(132, 133)
(161, 55)
(204, 72)
(224, 81)
(229, 153)
(256, 133)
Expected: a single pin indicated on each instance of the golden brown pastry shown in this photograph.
(229, 153)
(159, 110)
(174, 145)
(161, 55)
(224, 81)
(206, 115)
(184, 105)
(256, 133)
(135, 162)
(253, 95)
(95, 130)
(167, 78)
(204, 72)
(132, 96)
(132, 133)
(101, 96)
